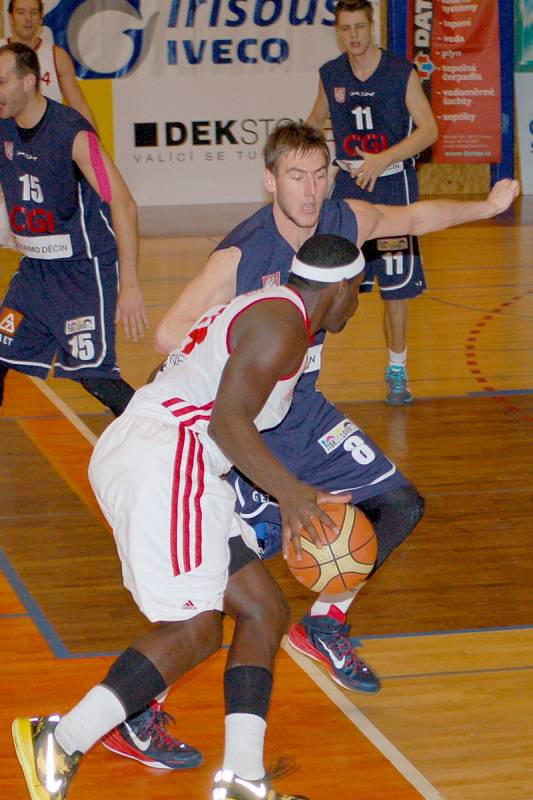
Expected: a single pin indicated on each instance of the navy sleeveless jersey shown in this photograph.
(370, 114)
(266, 255)
(54, 213)
(316, 441)
(266, 260)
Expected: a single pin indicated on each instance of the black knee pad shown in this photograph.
(394, 516)
(247, 690)
(112, 392)
(135, 680)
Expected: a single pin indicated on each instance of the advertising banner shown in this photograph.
(456, 48)
(198, 84)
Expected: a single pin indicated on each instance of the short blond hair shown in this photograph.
(354, 5)
(293, 137)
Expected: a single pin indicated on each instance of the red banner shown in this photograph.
(456, 48)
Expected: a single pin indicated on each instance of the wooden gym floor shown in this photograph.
(447, 622)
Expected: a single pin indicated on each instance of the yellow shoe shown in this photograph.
(47, 769)
(229, 786)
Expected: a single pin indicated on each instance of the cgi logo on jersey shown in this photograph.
(34, 220)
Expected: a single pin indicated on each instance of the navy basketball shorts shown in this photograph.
(61, 314)
(324, 449)
(395, 262)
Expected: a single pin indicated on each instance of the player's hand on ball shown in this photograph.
(300, 510)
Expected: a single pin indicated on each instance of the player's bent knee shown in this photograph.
(208, 636)
(275, 608)
(394, 515)
(254, 595)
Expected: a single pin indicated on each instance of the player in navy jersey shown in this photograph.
(58, 78)
(380, 119)
(73, 219)
(315, 437)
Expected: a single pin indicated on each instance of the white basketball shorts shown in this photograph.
(171, 515)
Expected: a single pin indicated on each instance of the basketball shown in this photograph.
(345, 561)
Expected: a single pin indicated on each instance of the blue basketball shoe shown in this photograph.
(145, 738)
(399, 392)
(325, 639)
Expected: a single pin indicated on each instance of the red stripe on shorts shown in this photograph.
(186, 524)
(197, 505)
(174, 504)
(180, 514)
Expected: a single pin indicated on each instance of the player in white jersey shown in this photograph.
(174, 413)
(158, 473)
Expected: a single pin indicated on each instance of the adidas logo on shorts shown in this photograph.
(189, 606)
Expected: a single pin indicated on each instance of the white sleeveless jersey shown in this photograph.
(184, 391)
(49, 78)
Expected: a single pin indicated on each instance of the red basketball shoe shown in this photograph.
(145, 738)
(326, 640)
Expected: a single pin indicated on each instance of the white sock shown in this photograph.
(321, 607)
(98, 712)
(397, 359)
(243, 751)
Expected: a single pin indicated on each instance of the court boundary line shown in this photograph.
(33, 609)
(67, 412)
(394, 756)
(456, 631)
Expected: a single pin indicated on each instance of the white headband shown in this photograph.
(328, 274)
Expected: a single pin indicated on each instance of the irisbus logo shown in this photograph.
(112, 39)
(68, 18)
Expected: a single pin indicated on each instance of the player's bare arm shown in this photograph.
(215, 284)
(269, 341)
(106, 180)
(425, 216)
(69, 85)
(320, 111)
(425, 132)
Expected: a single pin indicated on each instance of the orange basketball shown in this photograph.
(345, 560)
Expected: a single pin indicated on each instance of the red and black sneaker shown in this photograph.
(145, 738)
